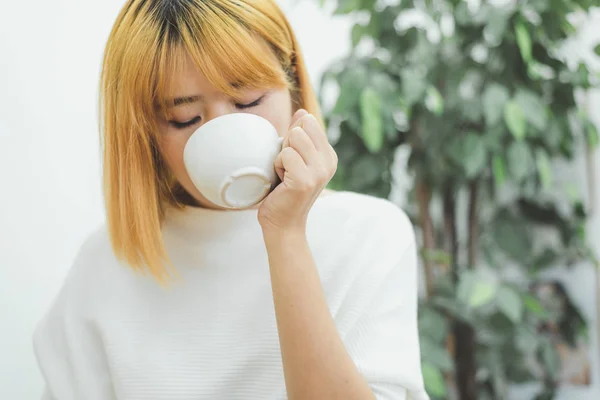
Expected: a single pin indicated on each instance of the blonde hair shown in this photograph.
(235, 44)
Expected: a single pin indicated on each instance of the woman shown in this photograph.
(305, 296)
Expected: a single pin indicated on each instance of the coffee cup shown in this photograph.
(230, 159)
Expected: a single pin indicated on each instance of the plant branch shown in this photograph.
(450, 230)
(473, 234)
(464, 335)
(424, 199)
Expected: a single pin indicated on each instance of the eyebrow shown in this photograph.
(178, 101)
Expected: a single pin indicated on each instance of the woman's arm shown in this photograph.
(383, 339)
(315, 361)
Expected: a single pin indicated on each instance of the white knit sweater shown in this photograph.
(112, 334)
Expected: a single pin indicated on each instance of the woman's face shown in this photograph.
(203, 103)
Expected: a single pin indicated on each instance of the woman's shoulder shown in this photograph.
(73, 300)
(88, 272)
(359, 240)
(95, 250)
(96, 243)
(360, 211)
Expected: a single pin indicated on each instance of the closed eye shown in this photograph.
(182, 125)
(250, 105)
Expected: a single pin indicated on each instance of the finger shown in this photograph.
(299, 140)
(297, 115)
(289, 160)
(314, 130)
(295, 122)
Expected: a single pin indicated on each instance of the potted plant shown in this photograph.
(479, 97)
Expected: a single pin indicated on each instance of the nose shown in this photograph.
(217, 109)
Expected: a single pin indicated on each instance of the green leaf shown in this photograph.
(372, 122)
(539, 71)
(520, 160)
(378, 19)
(534, 306)
(553, 134)
(462, 14)
(347, 6)
(511, 235)
(436, 354)
(434, 101)
(515, 120)
(436, 256)
(337, 183)
(434, 380)
(534, 110)
(597, 49)
(357, 34)
(498, 169)
(465, 287)
(523, 41)
(544, 167)
(494, 99)
(358, 31)
(591, 136)
(551, 359)
(483, 292)
(578, 77)
(495, 28)
(352, 81)
(469, 151)
(583, 75)
(476, 157)
(545, 258)
(413, 85)
(510, 304)
(526, 340)
(366, 171)
(494, 138)
(433, 324)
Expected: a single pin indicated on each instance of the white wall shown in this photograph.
(50, 193)
(49, 164)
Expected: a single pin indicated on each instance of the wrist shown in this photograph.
(277, 235)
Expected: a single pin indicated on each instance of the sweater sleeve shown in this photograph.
(68, 347)
(384, 340)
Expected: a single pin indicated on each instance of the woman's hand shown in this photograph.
(306, 164)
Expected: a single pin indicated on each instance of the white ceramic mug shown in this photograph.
(230, 159)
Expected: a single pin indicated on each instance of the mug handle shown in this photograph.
(242, 173)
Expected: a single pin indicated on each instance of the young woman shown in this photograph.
(304, 296)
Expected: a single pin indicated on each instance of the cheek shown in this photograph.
(172, 151)
(278, 111)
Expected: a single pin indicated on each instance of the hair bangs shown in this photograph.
(229, 54)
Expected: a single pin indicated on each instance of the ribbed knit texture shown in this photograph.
(112, 334)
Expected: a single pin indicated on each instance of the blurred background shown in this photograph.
(479, 118)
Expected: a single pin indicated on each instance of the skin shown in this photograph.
(315, 361)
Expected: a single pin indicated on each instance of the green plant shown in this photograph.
(485, 105)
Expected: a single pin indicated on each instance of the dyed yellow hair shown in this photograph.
(235, 43)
